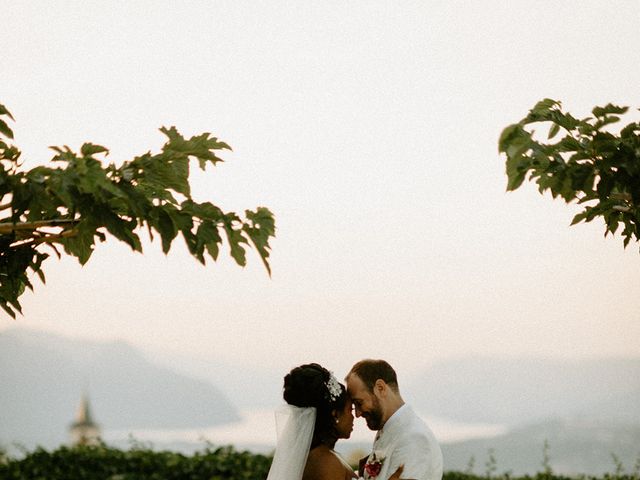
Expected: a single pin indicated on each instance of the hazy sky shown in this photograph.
(370, 129)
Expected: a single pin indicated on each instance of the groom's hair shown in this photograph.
(369, 371)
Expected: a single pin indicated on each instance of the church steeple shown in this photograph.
(84, 431)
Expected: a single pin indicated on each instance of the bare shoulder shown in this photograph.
(322, 464)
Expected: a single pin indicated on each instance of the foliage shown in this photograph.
(619, 466)
(546, 459)
(491, 464)
(102, 462)
(106, 463)
(77, 203)
(598, 169)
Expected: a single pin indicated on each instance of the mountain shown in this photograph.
(44, 375)
(578, 446)
(521, 391)
(257, 386)
(510, 392)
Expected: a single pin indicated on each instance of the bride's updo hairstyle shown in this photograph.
(311, 385)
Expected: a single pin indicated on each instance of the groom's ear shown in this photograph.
(380, 387)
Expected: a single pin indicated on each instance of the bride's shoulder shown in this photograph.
(323, 464)
(320, 455)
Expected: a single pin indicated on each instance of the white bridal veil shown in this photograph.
(295, 430)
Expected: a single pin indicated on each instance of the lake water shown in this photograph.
(256, 432)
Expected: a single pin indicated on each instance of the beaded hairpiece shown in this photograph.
(334, 388)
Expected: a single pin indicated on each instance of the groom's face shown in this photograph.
(366, 404)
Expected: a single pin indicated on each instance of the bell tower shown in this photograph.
(84, 431)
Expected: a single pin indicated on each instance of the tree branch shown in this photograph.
(8, 227)
(621, 196)
(46, 239)
(621, 208)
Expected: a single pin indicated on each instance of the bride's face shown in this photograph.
(344, 424)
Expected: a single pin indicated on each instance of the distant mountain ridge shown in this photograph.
(43, 376)
(578, 446)
(510, 392)
(521, 391)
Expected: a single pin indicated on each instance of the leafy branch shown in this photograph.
(589, 164)
(79, 202)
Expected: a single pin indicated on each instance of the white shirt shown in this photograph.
(406, 440)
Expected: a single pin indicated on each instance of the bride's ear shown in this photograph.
(334, 414)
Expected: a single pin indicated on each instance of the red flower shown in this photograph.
(373, 469)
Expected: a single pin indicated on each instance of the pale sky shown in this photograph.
(370, 129)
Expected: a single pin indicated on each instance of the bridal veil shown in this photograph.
(294, 426)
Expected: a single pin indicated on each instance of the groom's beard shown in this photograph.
(374, 416)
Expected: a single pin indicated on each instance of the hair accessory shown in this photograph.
(333, 387)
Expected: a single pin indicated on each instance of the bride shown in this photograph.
(317, 414)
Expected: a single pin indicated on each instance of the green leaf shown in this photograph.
(517, 148)
(235, 239)
(553, 131)
(516, 172)
(605, 186)
(81, 244)
(172, 134)
(89, 149)
(608, 109)
(7, 309)
(205, 210)
(260, 228)
(5, 130)
(122, 229)
(208, 237)
(569, 144)
(16, 305)
(582, 177)
(40, 274)
(612, 221)
(579, 217)
(507, 136)
(213, 248)
(630, 131)
(167, 230)
(544, 106)
(4, 111)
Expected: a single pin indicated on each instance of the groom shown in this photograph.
(402, 438)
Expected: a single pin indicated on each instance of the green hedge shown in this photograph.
(138, 463)
(102, 463)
